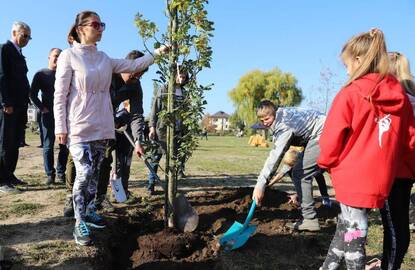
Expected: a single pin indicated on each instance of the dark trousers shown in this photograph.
(395, 219)
(322, 186)
(70, 175)
(105, 171)
(124, 151)
(12, 127)
(157, 153)
(21, 132)
(48, 142)
(39, 123)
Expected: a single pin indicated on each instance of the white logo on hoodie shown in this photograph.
(383, 125)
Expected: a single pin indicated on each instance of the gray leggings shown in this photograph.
(87, 158)
(349, 240)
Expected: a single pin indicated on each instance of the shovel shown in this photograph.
(115, 182)
(237, 235)
(185, 216)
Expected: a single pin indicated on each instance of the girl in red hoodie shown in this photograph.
(395, 212)
(362, 143)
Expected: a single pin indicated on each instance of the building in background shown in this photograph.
(218, 122)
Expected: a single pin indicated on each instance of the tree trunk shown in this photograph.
(170, 154)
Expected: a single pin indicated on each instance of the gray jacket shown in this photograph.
(292, 126)
(159, 104)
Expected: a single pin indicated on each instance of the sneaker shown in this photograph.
(131, 199)
(6, 264)
(50, 180)
(9, 188)
(326, 201)
(61, 178)
(81, 234)
(181, 175)
(104, 204)
(93, 220)
(150, 190)
(310, 225)
(373, 264)
(68, 208)
(16, 181)
(23, 144)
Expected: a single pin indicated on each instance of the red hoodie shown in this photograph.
(365, 138)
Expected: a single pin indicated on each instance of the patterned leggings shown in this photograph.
(349, 240)
(87, 158)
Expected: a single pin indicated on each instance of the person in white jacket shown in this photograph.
(83, 112)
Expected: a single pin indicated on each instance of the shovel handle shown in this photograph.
(145, 161)
(277, 178)
(250, 214)
(129, 138)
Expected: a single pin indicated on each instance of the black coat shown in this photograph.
(121, 91)
(14, 85)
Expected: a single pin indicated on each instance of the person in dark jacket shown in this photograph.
(14, 100)
(44, 80)
(126, 89)
(157, 131)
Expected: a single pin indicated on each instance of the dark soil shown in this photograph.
(139, 240)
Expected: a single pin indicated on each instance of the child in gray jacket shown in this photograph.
(293, 126)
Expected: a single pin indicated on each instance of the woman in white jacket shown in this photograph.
(83, 112)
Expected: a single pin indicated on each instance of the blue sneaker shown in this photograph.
(93, 220)
(81, 234)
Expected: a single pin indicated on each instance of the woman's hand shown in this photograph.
(163, 49)
(258, 195)
(62, 138)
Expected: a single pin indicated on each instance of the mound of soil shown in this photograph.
(141, 242)
(174, 245)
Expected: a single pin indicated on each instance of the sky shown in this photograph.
(297, 36)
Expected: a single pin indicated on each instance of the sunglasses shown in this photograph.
(26, 36)
(96, 25)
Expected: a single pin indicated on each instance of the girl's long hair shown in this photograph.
(399, 66)
(371, 48)
(81, 19)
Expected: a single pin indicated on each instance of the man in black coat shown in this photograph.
(14, 99)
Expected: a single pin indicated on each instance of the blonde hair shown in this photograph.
(265, 108)
(371, 48)
(399, 66)
(291, 156)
